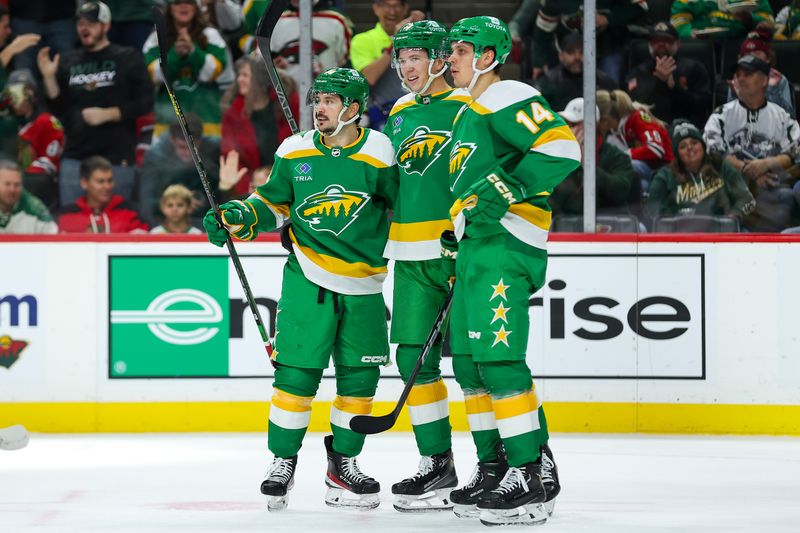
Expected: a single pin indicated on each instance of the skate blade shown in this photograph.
(431, 501)
(277, 503)
(466, 511)
(550, 507)
(533, 514)
(339, 497)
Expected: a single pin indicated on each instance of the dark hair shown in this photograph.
(3, 11)
(196, 27)
(709, 168)
(92, 164)
(194, 125)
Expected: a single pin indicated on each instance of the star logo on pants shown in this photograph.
(500, 313)
(501, 335)
(499, 290)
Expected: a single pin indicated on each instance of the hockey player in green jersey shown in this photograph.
(419, 127)
(508, 151)
(334, 184)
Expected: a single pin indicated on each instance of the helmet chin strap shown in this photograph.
(476, 72)
(431, 76)
(340, 125)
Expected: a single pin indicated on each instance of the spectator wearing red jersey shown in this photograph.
(99, 210)
(40, 139)
(640, 134)
(253, 123)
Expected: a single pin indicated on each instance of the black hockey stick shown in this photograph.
(263, 37)
(161, 33)
(367, 424)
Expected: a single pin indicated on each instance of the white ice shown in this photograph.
(209, 483)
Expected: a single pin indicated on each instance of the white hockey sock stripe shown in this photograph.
(428, 403)
(288, 411)
(344, 408)
(516, 414)
(479, 411)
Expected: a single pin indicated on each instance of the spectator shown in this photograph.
(559, 17)
(19, 44)
(200, 67)
(99, 210)
(40, 141)
(521, 27)
(371, 53)
(253, 124)
(711, 18)
(169, 161)
(778, 90)
(51, 20)
(260, 177)
(674, 86)
(97, 91)
(20, 211)
(176, 207)
(564, 82)
(252, 11)
(698, 183)
(330, 47)
(133, 22)
(761, 140)
(644, 137)
(787, 23)
(225, 15)
(613, 170)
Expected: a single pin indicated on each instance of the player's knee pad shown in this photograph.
(504, 377)
(407, 356)
(357, 381)
(297, 381)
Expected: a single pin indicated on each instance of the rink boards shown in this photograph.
(650, 334)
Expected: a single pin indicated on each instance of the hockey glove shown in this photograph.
(449, 253)
(488, 199)
(239, 219)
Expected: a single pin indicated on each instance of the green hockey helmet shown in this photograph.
(425, 34)
(348, 83)
(484, 32)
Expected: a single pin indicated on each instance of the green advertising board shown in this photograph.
(168, 316)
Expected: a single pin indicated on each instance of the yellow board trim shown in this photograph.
(418, 231)
(579, 417)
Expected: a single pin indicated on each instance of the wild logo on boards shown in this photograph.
(10, 350)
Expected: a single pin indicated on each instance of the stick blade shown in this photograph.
(370, 425)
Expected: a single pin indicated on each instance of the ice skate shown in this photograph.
(517, 500)
(549, 479)
(485, 477)
(429, 489)
(347, 485)
(277, 483)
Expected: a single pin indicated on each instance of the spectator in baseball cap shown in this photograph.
(94, 12)
(779, 91)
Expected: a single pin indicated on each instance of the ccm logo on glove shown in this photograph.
(502, 188)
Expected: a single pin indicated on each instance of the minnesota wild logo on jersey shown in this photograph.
(459, 155)
(333, 209)
(421, 149)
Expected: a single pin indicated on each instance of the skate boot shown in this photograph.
(347, 485)
(517, 500)
(549, 479)
(277, 483)
(485, 477)
(428, 489)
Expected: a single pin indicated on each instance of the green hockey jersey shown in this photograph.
(420, 130)
(511, 127)
(337, 200)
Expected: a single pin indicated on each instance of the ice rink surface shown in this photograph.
(202, 483)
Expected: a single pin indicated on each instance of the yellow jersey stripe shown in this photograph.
(427, 393)
(368, 159)
(554, 134)
(399, 107)
(418, 231)
(535, 215)
(309, 152)
(283, 209)
(478, 108)
(336, 265)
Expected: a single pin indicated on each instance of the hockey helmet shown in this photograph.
(425, 34)
(484, 32)
(348, 83)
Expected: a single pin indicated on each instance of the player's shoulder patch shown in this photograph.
(298, 145)
(405, 101)
(377, 150)
(502, 95)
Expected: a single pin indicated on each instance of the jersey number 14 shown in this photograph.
(540, 114)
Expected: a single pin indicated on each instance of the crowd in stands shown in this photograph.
(696, 111)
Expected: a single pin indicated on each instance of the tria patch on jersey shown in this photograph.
(419, 150)
(333, 209)
(459, 155)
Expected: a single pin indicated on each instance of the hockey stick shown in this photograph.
(263, 37)
(161, 33)
(13, 437)
(367, 424)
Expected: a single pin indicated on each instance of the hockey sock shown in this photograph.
(427, 402)
(355, 387)
(478, 404)
(516, 409)
(290, 411)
